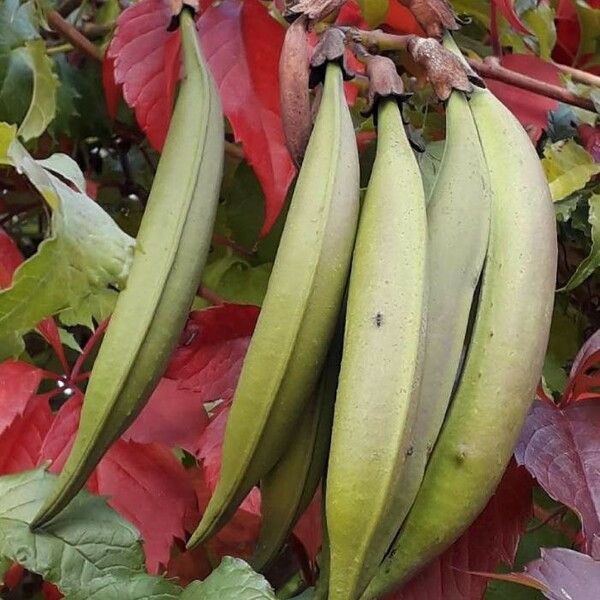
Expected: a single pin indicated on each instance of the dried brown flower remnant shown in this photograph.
(315, 10)
(444, 70)
(434, 16)
(293, 89)
(384, 81)
(331, 48)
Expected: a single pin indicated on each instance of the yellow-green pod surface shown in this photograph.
(505, 355)
(299, 311)
(381, 364)
(172, 245)
(287, 490)
(458, 219)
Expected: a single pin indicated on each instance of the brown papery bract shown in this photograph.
(434, 16)
(444, 70)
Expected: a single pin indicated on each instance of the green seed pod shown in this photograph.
(172, 246)
(381, 364)
(505, 355)
(299, 312)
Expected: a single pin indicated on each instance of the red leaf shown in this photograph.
(309, 527)
(507, 9)
(492, 539)
(19, 382)
(141, 481)
(242, 43)
(351, 16)
(215, 341)
(531, 109)
(20, 443)
(10, 258)
(147, 65)
(560, 447)
(561, 574)
(568, 33)
(238, 537)
(112, 91)
(174, 417)
(399, 19)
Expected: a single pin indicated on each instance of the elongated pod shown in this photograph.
(381, 364)
(505, 355)
(171, 250)
(458, 218)
(299, 312)
(287, 490)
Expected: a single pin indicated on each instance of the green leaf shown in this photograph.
(233, 579)
(591, 262)
(540, 21)
(235, 279)
(42, 107)
(74, 270)
(17, 23)
(5, 564)
(566, 337)
(88, 551)
(568, 167)
(374, 11)
(589, 21)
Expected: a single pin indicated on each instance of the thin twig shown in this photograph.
(579, 75)
(70, 33)
(493, 70)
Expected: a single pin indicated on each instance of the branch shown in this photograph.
(493, 70)
(489, 67)
(579, 75)
(70, 33)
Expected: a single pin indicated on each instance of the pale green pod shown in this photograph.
(505, 355)
(299, 311)
(171, 249)
(381, 364)
(458, 219)
(288, 488)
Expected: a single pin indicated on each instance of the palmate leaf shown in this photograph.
(74, 270)
(28, 85)
(233, 579)
(88, 552)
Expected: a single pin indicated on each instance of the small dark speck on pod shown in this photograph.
(378, 319)
(410, 451)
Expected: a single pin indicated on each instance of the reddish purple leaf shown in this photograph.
(214, 343)
(560, 447)
(147, 65)
(584, 379)
(140, 480)
(561, 574)
(242, 43)
(173, 416)
(590, 137)
(492, 539)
